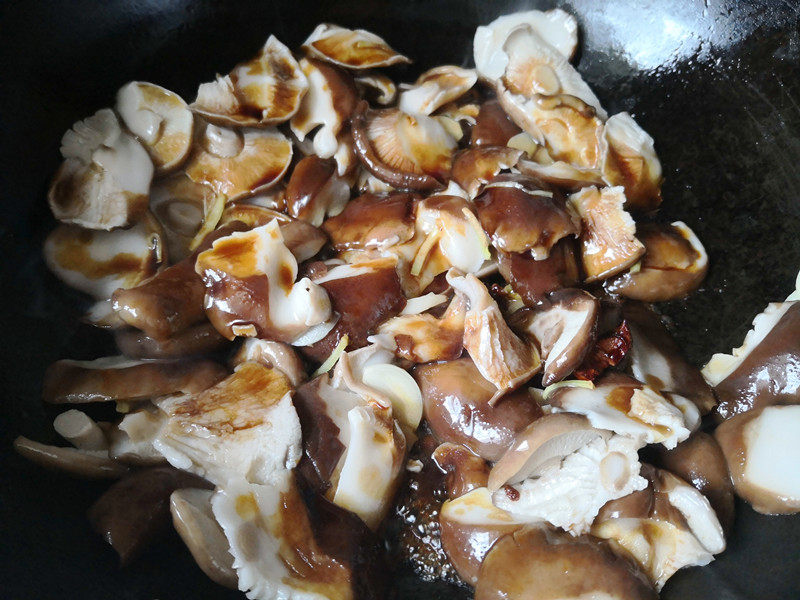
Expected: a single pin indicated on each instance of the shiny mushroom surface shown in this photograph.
(369, 315)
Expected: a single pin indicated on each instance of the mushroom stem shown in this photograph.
(80, 430)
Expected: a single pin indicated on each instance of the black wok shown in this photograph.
(717, 84)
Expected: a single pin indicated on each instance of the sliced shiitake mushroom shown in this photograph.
(87, 464)
(464, 470)
(673, 266)
(239, 162)
(272, 354)
(533, 279)
(159, 119)
(376, 87)
(122, 379)
(542, 563)
(493, 127)
(371, 221)
(353, 49)
(474, 167)
(315, 191)
(762, 450)
(195, 340)
(608, 241)
(104, 180)
(435, 88)
(763, 370)
(457, 408)
(99, 262)
(265, 90)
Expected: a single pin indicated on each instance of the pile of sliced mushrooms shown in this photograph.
(325, 286)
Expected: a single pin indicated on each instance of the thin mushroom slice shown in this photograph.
(470, 526)
(407, 152)
(180, 206)
(160, 119)
(275, 552)
(325, 111)
(195, 340)
(501, 357)
(565, 329)
(194, 521)
(665, 527)
(435, 88)
(353, 49)
(561, 174)
(315, 190)
(533, 279)
(762, 450)
(382, 87)
(608, 241)
(239, 162)
(673, 266)
(475, 167)
(558, 29)
(271, 354)
(100, 262)
(493, 127)
(266, 90)
(546, 564)
(765, 369)
(86, 464)
(373, 222)
(122, 379)
(251, 287)
(244, 426)
(104, 180)
(134, 512)
(629, 408)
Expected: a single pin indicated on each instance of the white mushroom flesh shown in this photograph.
(435, 88)
(354, 49)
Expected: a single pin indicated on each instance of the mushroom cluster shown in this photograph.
(323, 284)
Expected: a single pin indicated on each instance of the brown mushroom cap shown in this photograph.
(700, 461)
(315, 190)
(122, 379)
(565, 328)
(532, 279)
(519, 221)
(540, 563)
(474, 167)
(657, 360)
(673, 266)
(198, 339)
(75, 462)
(134, 512)
(608, 243)
(371, 221)
(464, 470)
(492, 127)
(456, 405)
(762, 451)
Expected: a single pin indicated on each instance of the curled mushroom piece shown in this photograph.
(122, 379)
(251, 289)
(557, 28)
(193, 341)
(765, 369)
(275, 553)
(272, 354)
(239, 162)
(565, 329)
(364, 295)
(160, 120)
(104, 180)
(492, 127)
(665, 527)
(630, 160)
(435, 88)
(99, 262)
(423, 338)
(86, 464)
(560, 173)
(565, 470)
(500, 356)
(762, 450)
(383, 89)
(624, 405)
(519, 220)
(700, 462)
(315, 191)
(195, 523)
(134, 512)
(353, 49)
(470, 526)
(407, 152)
(546, 564)
(475, 167)
(457, 408)
(656, 359)
(244, 426)
(265, 90)
(464, 470)
(372, 221)
(533, 279)
(325, 110)
(608, 243)
(674, 265)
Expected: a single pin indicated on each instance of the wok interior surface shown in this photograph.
(717, 84)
